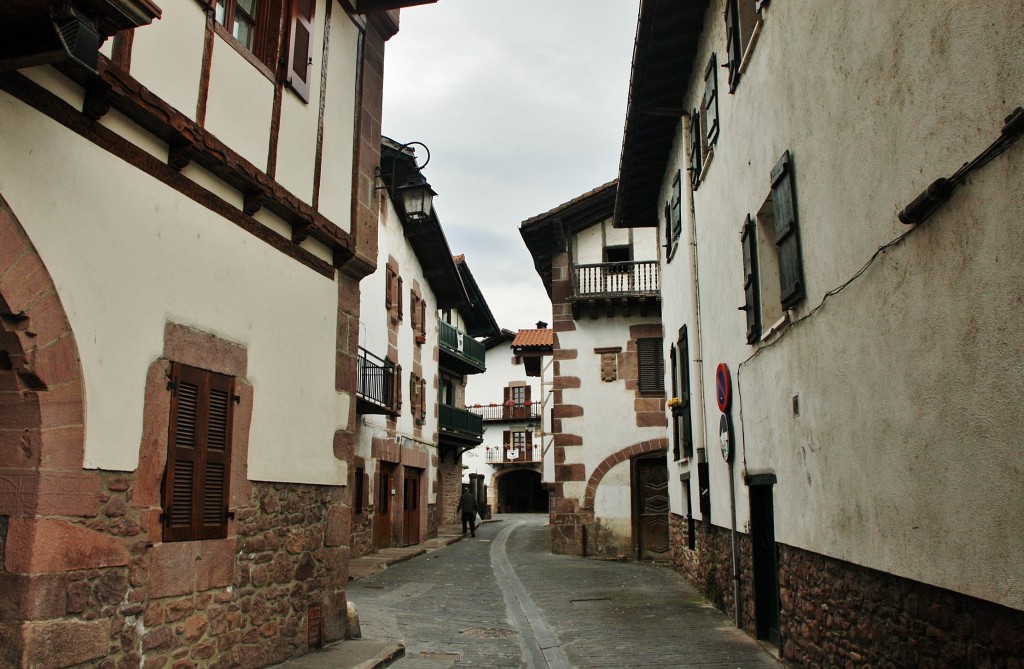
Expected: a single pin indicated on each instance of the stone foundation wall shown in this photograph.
(448, 493)
(362, 532)
(243, 601)
(838, 614)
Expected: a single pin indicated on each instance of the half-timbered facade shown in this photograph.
(186, 209)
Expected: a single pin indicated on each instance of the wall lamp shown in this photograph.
(415, 194)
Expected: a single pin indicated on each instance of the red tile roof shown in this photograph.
(534, 339)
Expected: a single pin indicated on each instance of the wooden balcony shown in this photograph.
(460, 424)
(508, 412)
(616, 287)
(507, 455)
(375, 387)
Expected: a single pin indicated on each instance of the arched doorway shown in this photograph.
(520, 491)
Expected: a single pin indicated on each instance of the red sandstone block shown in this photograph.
(68, 494)
(645, 330)
(566, 354)
(204, 350)
(13, 242)
(566, 411)
(576, 472)
(42, 546)
(25, 279)
(64, 643)
(172, 568)
(47, 319)
(241, 486)
(20, 448)
(567, 382)
(216, 565)
(61, 405)
(563, 325)
(19, 411)
(651, 419)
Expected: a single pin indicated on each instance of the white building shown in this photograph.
(608, 492)
(865, 507)
(186, 210)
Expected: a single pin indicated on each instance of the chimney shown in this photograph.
(541, 325)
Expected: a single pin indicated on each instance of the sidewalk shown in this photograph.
(368, 653)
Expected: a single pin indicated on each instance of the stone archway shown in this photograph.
(521, 490)
(42, 439)
(628, 453)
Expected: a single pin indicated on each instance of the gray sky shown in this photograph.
(522, 104)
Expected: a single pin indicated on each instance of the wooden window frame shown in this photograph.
(201, 416)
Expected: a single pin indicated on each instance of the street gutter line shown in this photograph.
(541, 648)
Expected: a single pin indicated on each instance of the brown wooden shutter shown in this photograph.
(389, 288)
(649, 365)
(711, 100)
(423, 317)
(751, 288)
(182, 454)
(787, 236)
(300, 44)
(668, 231)
(217, 461)
(398, 388)
(507, 438)
(423, 400)
(526, 393)
(399, 296)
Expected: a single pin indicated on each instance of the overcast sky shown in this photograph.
(522, 104)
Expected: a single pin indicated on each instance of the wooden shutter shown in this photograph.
(787, 236)
(300, 44)
(389, 288)
(677, 206)
(675, 393)
(696, 155)
(733, 47)
(414, 395)
(423, 317)
(685, 409)
(526, 394)
(750, 280)
(668, 231)
(398, 389)
(199, 455)
(649, 365)
(759, 4)
(423, 400)
(507, 438)
(711, 100)
(399, 297)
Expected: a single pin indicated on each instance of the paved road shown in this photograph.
(503, 600)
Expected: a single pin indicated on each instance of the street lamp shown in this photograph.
(416, 194)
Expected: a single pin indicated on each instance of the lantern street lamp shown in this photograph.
(415, 194)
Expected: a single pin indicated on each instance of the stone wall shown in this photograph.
(448, 494)
(838, 614)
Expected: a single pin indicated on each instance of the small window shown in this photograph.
(651, 366)
(198, 471)
(618, 254)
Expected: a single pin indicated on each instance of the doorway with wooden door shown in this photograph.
(651, 505)
(411, 507)
(382, 514)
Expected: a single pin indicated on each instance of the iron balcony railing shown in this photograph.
(460, 421)
(507, 411)
(617, 279)
(375, 389)
(467, 353)
(497, 455)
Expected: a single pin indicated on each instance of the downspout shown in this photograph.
(701, 437)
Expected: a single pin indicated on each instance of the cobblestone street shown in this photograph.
(503, 600)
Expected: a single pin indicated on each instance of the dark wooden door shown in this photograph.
(411, 509)
(650, 485)
(766, 565)
(382, 514)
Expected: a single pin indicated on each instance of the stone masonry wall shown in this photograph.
(838, 614)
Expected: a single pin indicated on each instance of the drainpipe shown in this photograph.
(701, 438)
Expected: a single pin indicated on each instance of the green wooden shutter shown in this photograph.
(751, 288)
(675, 393)
(300, 47)
(733, 47)
(711, 100)
(787, 236)
(696, 149)
(677, 206)
(685, 409)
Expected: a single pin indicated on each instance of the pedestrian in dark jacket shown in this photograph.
(467, 505)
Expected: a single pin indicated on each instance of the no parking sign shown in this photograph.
(723, 387)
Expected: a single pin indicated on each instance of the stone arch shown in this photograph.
(628, 453)
(536, 497)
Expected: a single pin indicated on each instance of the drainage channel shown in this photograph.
(541, 649)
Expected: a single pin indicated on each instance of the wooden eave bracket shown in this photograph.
(188, 142)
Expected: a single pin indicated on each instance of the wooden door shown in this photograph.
(650, 486)
(766, 564)
(411, 509)
(382, 514)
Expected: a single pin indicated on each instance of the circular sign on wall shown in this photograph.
(723, 387)
(725, 436)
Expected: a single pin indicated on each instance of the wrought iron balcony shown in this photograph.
(459, 352)
(460, 423)
(617, 285)
(375, 387)
(507, 455)
(508, 412)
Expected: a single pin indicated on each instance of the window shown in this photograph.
(741, 17)
(651, 366)
(256, 26)
(195, 486)
(772, 269)
(618, 254)
(696, 148)
(709, 109)
(418, 310)
(418, 398)
(676, 212)
(682, 413)
(518, 394)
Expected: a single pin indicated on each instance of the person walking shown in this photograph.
(467, 505)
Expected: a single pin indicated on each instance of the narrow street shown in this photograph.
(503, 600)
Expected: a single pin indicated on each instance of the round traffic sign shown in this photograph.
(723, 387)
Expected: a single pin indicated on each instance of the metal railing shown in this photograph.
(462, 345)
(459, 420)
(376, 380)
(620, 279)
(509, 411)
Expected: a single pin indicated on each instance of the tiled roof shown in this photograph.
(576, 200)
(534, 339)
